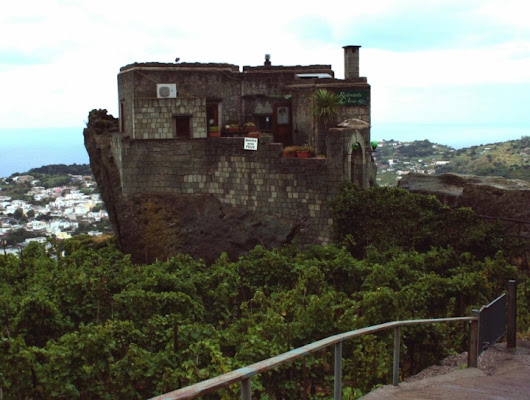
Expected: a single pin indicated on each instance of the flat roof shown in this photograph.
(315, 75)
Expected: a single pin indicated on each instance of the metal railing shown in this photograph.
(244, 374)
(491, 322)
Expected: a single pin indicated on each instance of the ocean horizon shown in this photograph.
(22, 149)
(25, 148)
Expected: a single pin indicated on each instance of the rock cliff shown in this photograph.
(487, 195)
(157, 226)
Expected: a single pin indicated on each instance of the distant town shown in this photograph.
(390, 170)
(39, 213)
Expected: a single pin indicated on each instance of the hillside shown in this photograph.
(509, 159)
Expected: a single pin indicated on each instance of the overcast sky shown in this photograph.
(461, 62)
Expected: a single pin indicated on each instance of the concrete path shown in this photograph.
(509, 380)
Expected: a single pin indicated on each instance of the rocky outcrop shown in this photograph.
(486, 195)
(152, 226)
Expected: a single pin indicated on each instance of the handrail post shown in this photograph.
(511, 328)
(472, 354)
(246, 391)
(338, 371)
(395, 372)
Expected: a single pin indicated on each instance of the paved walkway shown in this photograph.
(510, 380)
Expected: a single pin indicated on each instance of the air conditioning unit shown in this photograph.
(166, 90)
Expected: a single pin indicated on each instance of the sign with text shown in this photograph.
(251, 143)
(353, 97)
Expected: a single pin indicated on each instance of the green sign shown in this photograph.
(353, 97)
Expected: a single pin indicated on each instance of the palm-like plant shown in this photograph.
(325, 105)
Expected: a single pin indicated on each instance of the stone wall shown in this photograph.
(209, 196)
(234, 92)
(217, 82)
(153, 118)
(260, 181)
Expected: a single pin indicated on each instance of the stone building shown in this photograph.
(184, 100)
(169, 187)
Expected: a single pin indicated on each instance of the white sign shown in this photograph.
(251, 143)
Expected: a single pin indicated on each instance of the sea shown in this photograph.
(22, 149)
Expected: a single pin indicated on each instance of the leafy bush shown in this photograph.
(79, 320)
(386, 217)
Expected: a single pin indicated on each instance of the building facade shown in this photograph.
(185, 100)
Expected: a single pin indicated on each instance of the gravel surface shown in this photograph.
(490, 359)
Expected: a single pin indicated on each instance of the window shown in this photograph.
(212, 114)
(182, 126)
(264, 122)
(122, 117)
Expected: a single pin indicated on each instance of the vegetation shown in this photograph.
(100, 226)
(48, 176)
(509, 159)
(18, 236)
(325, 106)
(386, 217)
(62, 169)
(79, 320)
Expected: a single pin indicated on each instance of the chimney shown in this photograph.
(351, 62)
(267, 62)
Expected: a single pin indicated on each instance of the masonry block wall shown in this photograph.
(261, 181)
(204, 82)
(234, 91)
(153, 117)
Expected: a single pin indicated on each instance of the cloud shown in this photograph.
(424, 59)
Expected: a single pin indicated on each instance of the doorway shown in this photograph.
(282, 126)
(212, 114)
(182, 127)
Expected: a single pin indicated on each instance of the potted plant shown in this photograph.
(250, 126)
(265, 138)
(214, 131)
(304, 152)
(254, 134)
(232, 127)
(289, 152)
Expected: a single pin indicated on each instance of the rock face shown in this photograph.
(487, 195)
(157, 226)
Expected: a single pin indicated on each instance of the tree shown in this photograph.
(19, 214)
(325, 106)
(44, 217)
(19, 236)
(386, 217)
